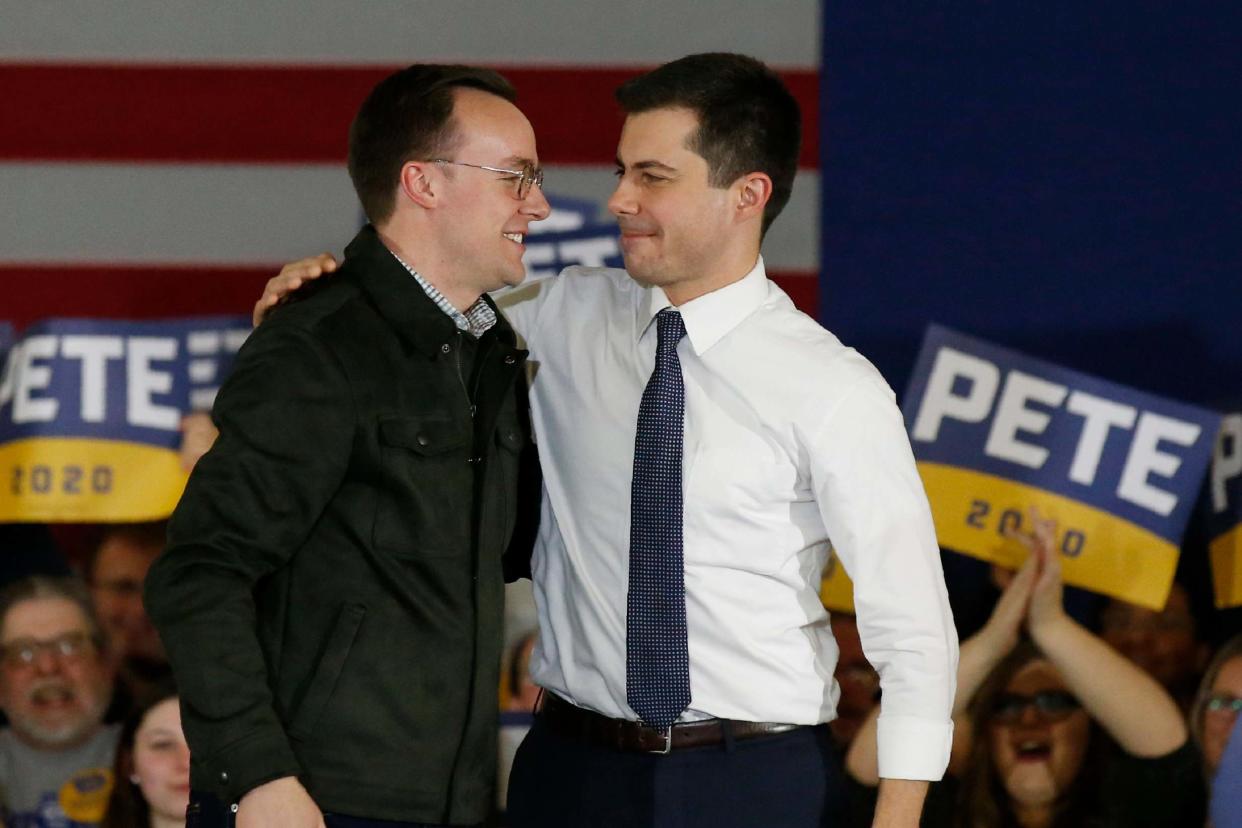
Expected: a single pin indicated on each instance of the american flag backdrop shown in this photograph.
(164, 158)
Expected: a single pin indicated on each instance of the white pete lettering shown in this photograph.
(1146, 457)
(30, 378)
(23, 377)
(1099, 415)
(1013, 416)
(939, 401)
(588, 252)
(539, 253)
(144, 381)
(1226, 464)
(94, 353)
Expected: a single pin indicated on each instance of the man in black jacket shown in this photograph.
(331, 597)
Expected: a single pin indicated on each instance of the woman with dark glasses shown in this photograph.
(1052, 726)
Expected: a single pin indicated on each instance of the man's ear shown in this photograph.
(420, 183)
(753, 192)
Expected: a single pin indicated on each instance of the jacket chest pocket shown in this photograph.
(426, 495)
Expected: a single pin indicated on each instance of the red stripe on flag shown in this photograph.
(38, 291)
(293, 114)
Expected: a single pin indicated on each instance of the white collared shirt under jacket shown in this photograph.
(793, 446)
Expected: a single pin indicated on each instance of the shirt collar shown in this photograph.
(474, 320)
(712, 315)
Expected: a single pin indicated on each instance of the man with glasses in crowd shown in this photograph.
(55, 685)
(331, 596)
(703, 443)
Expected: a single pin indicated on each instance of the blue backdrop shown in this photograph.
(1063, 178)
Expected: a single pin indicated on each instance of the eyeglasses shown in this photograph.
(526, 177)
(1050, 706)
(25, 651)
(1224, 704)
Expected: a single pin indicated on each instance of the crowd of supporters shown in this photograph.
(1118, 716)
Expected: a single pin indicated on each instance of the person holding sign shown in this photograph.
(702, 441)
(331, 597)
(1032, 715)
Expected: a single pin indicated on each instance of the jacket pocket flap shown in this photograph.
(424, 435)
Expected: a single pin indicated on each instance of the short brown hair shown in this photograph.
(408, 117)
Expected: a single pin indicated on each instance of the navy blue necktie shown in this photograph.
(657, 659)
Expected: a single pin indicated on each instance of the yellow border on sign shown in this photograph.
(1226, 556)
(836, 590)
(67, 480)
(1100, 551)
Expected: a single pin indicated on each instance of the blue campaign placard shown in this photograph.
(995, 431)
(1225, 513)
(591, 245)
(90, 412)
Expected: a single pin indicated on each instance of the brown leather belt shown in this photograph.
(572, 722)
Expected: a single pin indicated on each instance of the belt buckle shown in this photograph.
(668, 741)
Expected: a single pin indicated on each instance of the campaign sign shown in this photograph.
(995, 432)
(90, 409)
(836, 590)
(591, 245)
(1225, 513)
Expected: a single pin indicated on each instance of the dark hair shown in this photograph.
(983, 801)
(151, 535)
(408, 117)
(748, 120)
(127, 808)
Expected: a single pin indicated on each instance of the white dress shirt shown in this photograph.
(793, 445)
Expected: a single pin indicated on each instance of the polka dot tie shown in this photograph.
(657, 659)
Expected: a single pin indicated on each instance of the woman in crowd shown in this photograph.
(152, 768)
(1057, 729)
(1216, 726)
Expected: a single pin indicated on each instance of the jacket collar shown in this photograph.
(397, 298)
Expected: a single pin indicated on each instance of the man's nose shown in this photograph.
(536, 204)
(622, 201)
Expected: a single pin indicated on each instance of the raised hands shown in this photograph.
(1045, 596)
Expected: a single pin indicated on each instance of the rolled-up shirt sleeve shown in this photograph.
(877, 516)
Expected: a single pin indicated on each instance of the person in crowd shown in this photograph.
(55, 683)
(1055, 728)
(116, 572)
(741, 436)
(198, 433)
(858, 680)
(1214, 718)
(151, 773)
(1165, 643)
(1226, 801)
(331, 595)
(522, 692)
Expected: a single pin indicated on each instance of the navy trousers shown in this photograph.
(791, 780)
(206, 811)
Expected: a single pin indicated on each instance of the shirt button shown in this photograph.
(510, 359)
(422, 440)
(445, 348)
(224, 777)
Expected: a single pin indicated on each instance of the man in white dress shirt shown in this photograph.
(791, 445)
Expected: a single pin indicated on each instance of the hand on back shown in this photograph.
(291, 277)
